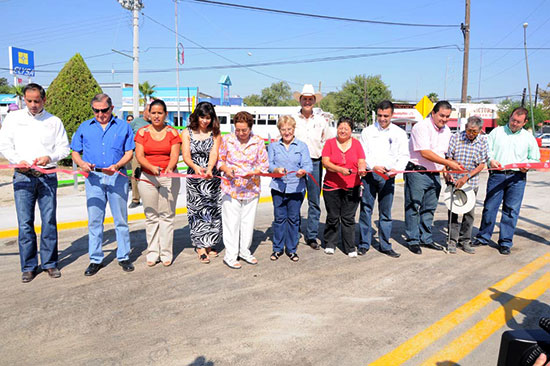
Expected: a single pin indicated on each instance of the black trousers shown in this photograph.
(341, 205)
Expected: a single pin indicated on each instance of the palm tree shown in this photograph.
(18, 91)
(147, 91)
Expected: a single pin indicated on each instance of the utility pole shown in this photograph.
(528, 79)
(536, 94)
(465, 27)
(134, 6)
(178, 123)
(366, 103)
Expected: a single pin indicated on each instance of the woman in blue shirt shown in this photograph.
(291, 157)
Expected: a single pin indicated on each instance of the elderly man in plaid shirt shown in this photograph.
(471, 150)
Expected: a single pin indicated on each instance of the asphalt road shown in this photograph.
(323, 310)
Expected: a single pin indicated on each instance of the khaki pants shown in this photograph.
(159, 205)
(135, 191)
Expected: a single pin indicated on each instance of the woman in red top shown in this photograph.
(344, 160)
(157, 151)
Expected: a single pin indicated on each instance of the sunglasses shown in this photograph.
(104, 110)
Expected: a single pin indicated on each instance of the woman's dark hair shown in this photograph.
(244, 117)
(204, 109)
(347, 120)
(158, 102)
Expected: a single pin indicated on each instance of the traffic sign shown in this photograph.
(425, 106)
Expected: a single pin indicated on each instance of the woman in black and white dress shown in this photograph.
(200, 142)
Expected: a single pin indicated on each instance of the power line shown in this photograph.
(318, 16)
(457, 47)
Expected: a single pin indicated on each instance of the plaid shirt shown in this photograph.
(468, 153)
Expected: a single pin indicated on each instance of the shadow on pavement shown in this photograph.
(531, 309)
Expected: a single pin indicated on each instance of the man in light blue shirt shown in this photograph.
(285, 156)
(507, 145)
(100, 146)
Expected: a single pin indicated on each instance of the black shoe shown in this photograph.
(92, 269)
(313, 244)
(53, 272)
(504, 250)
(393, 253)
(362, 251)
(126, 265)
(134, 204)
(415, 248)
(477, 243)
(27, 277)
(433, 246)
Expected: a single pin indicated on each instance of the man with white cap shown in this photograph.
(470, 149)
(314, 130)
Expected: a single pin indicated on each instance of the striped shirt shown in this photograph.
(468, 153)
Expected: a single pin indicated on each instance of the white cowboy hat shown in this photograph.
(308, 90)
(464, 198)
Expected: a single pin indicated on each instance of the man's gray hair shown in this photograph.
(102, 97)
(475, 121)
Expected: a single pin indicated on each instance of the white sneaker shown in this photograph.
(329, 250)
(352, 254)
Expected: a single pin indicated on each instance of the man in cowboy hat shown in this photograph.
(469, 149)
(314, 130)
(507, 145)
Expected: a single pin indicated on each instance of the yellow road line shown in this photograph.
(414, 345)
(473, 337)
(11, 233)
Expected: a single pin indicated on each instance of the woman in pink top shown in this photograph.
(344, 160)
(157, 151)
(242, 155)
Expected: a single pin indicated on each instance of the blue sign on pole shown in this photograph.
(21, 61)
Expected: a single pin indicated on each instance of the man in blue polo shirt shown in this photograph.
(101, 146)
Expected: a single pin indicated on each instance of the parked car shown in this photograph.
(545, 139)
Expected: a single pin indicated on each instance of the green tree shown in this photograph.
(350, 101)
(147, 91)
(252, 100)
(277, 94)
(433, 97)
(328, 103)
(5, 88)
(70, 93)
(544, 96)
(18, 91)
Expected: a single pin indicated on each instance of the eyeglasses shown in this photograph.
(104, 110)
(473, 132)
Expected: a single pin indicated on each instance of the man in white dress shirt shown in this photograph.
(386, 152)
(33, 137)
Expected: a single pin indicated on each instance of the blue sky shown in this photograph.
(56, 29)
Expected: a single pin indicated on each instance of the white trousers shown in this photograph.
(238, 226)
(159, 205)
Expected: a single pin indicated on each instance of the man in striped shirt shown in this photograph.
(469, 149)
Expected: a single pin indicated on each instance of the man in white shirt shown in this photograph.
(33, 137)
(314, 130)
(386, 152)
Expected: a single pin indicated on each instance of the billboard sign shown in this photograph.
(21, 61)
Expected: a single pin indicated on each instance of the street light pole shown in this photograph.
(134, 6)
(528, 79)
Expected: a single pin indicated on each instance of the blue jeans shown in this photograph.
(101, 188)
(286, 212)
(27, 190)
(314, 200)
(421, 197)
(506, 189)
(374, 185)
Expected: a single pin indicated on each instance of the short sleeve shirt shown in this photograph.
(347, 160)
(157, 152)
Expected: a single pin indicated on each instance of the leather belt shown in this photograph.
(33, 173)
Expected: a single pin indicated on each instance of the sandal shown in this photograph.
(235, 265)
(203, 257)
(253, 261)
(294, 257)
(275, 255)
(212, 252)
